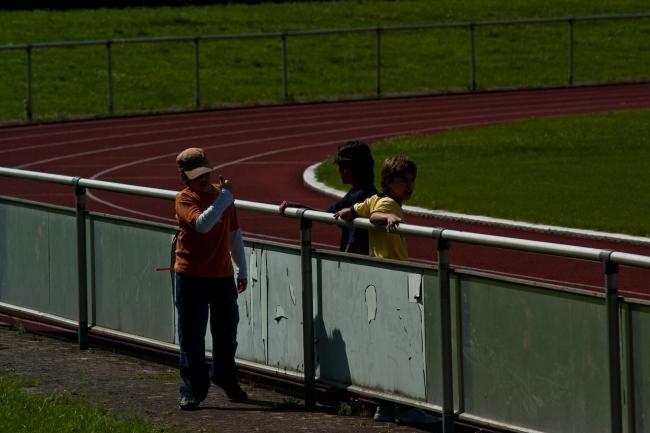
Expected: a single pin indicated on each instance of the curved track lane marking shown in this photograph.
(328, 123)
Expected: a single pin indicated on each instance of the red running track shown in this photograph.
(264, 151)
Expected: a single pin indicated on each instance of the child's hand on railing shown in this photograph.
(392, 221)
(345, 214)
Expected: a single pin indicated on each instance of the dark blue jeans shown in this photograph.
(195, 297)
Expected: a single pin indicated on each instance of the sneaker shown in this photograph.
(385, 412)
(413, 415)
(234, 392)
(188, 403)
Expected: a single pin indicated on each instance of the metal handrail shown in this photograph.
(443, 237)
(564, 250)
(318, 32)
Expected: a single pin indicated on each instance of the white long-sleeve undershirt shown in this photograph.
(213, 213)
(238, 254)
(211, 216)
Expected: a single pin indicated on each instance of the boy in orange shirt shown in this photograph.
(208, 241)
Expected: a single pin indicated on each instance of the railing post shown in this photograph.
(571, 23)
(109, 75)
(445, 337)
(613, 340)
(472, 54)
(307, 310)
(285, 73)
(80, 205)
(28, 79)
(378, 32)
(197, 73)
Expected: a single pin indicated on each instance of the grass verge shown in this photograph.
(23, 412)
(151, 77)
(587, 171)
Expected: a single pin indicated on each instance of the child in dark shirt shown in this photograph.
(356, 168)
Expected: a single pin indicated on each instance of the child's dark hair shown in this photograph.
(396, 166)
(356, 156)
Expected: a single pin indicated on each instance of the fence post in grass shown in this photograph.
(472, 54)
(28, 81)
(197, 73)
(285, 74)
(109, 75)
(613, 340)
(445, 330)
(571, 22)
(378, 32)
(80, 207)
(307, 310)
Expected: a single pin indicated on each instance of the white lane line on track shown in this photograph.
(172, 155)
(443, 113)
(276, 151)
(562, 101)
(449, 122)
(258, 155)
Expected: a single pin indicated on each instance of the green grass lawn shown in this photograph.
(72, 81)
(23, 412)
(587, 171)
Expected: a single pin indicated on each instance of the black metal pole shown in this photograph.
(80, 205)
(570, 60)
(613, 340)
(197, 74)
(109, 76)
(285, 72)
(28, 83)
(472, 58)
(307, 310)
(445, 338)
(378, 90)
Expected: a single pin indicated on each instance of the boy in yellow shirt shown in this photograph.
(397, 183)
(385, 208)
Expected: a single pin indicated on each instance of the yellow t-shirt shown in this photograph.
(383, 244)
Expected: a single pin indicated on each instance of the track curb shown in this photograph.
(310, 181)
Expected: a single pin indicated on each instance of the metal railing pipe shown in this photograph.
(573, 251)
(266, 208)
(524, 245)
(315, 32)
(36, 175)
(128, 189)
(630, 259)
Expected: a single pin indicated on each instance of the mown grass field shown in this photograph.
(588, 171)
(72, 81)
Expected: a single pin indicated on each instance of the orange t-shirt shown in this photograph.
(203, 255)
